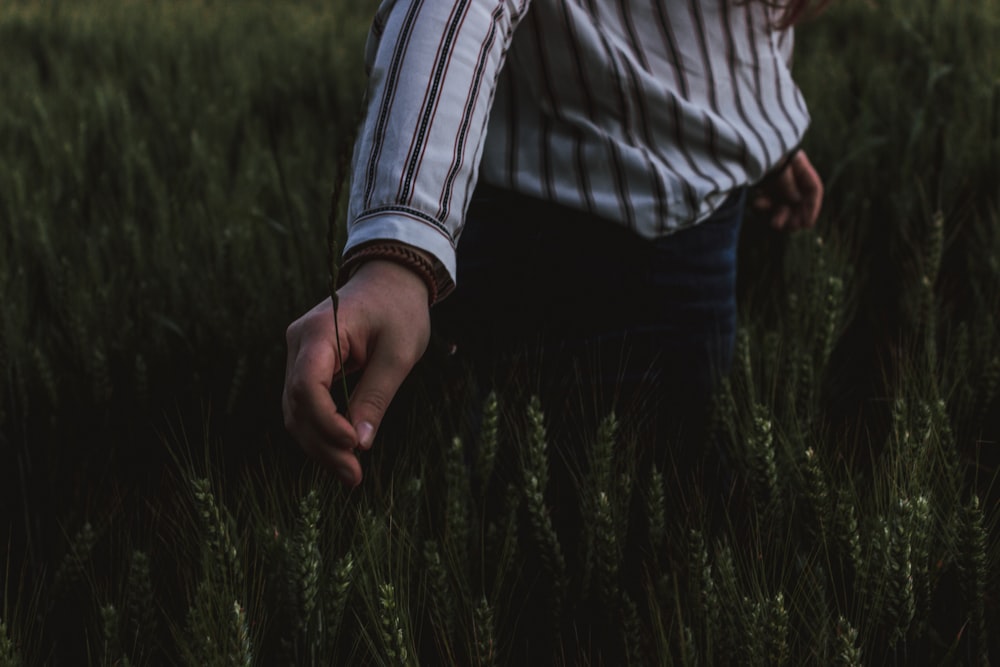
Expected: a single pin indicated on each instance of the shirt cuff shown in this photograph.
(414, 231)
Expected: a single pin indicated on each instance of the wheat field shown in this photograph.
(163, 204)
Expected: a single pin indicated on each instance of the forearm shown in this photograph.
(433, 68)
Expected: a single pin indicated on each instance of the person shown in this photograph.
(592, 156)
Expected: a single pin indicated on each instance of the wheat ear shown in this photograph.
(391, 627)
(110, 635)
(8, 649)
(847, 650)
(484, 634)
(973, 568)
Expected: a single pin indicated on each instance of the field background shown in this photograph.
(164, 190)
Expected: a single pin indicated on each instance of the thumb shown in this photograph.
(376, 388)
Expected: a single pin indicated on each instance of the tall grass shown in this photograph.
(166, 181)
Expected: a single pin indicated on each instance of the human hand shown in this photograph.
(384, 323)
(791, 198)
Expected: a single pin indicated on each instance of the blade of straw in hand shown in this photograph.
(331, 244)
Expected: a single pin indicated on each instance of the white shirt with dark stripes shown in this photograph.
(645, 112)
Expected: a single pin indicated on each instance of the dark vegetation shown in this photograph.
(163, 198)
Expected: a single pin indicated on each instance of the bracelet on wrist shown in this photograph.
(398, 253)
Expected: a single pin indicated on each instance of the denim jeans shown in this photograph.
(587, 308)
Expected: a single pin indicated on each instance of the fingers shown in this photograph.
(788, 199)
(384, 327)
(792, 198)
(310, 414)
(394, 302)
(309, 398)
(342, 462)
(761, 202)
(387, 368)
(810, 185)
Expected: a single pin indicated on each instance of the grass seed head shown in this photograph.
(71, 569)
(488, 441)
(391, 626)
(9, 656)
(484, 634)
(847, 651)
(141, 604)
(241, 649)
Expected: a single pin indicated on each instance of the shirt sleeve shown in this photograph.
(432, 68)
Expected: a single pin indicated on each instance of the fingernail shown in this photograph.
(366, 433)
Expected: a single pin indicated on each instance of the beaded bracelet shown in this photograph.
(397, 253)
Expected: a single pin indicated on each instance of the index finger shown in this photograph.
(811, 186)
(308, 404)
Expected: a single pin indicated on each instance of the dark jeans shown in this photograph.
(582, 306)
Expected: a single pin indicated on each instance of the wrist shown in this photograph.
(415, 262)
(390, 279)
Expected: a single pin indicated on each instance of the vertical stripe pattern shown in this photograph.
(644, 112)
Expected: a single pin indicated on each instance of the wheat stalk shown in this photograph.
(109, 633)
(989, 382)
(703, 595)
(457, 529)
(832, 308)
(632, 631)
(307, 561)
(240, 650)
(760, 448)
(8, 650)
(960, 350)
(946, 444)
(334, 269)
(933, 247)
(806, 384)
(901, 606)
(928, 322)
(217, 526)
(536, 478)
(599, 513)
(71, 569)
(847, 652)
(778, 650)
(486, 651)
(816, 492)
(974, 571)
(818, 271)
(742, 361)
(391, 626)
(603, 457)
(731, 612)
(200, 646)
(140, 601)
(606, 549)
(488, 443)
(656, 511)
(688, 646)
(501, 535)
(442, 600)
(767, 632)
(335, 600)
(922, 526)
(874, 574)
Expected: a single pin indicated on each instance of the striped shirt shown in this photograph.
(645, 112)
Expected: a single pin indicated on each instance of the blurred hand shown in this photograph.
(384, 329)
(791, 198)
